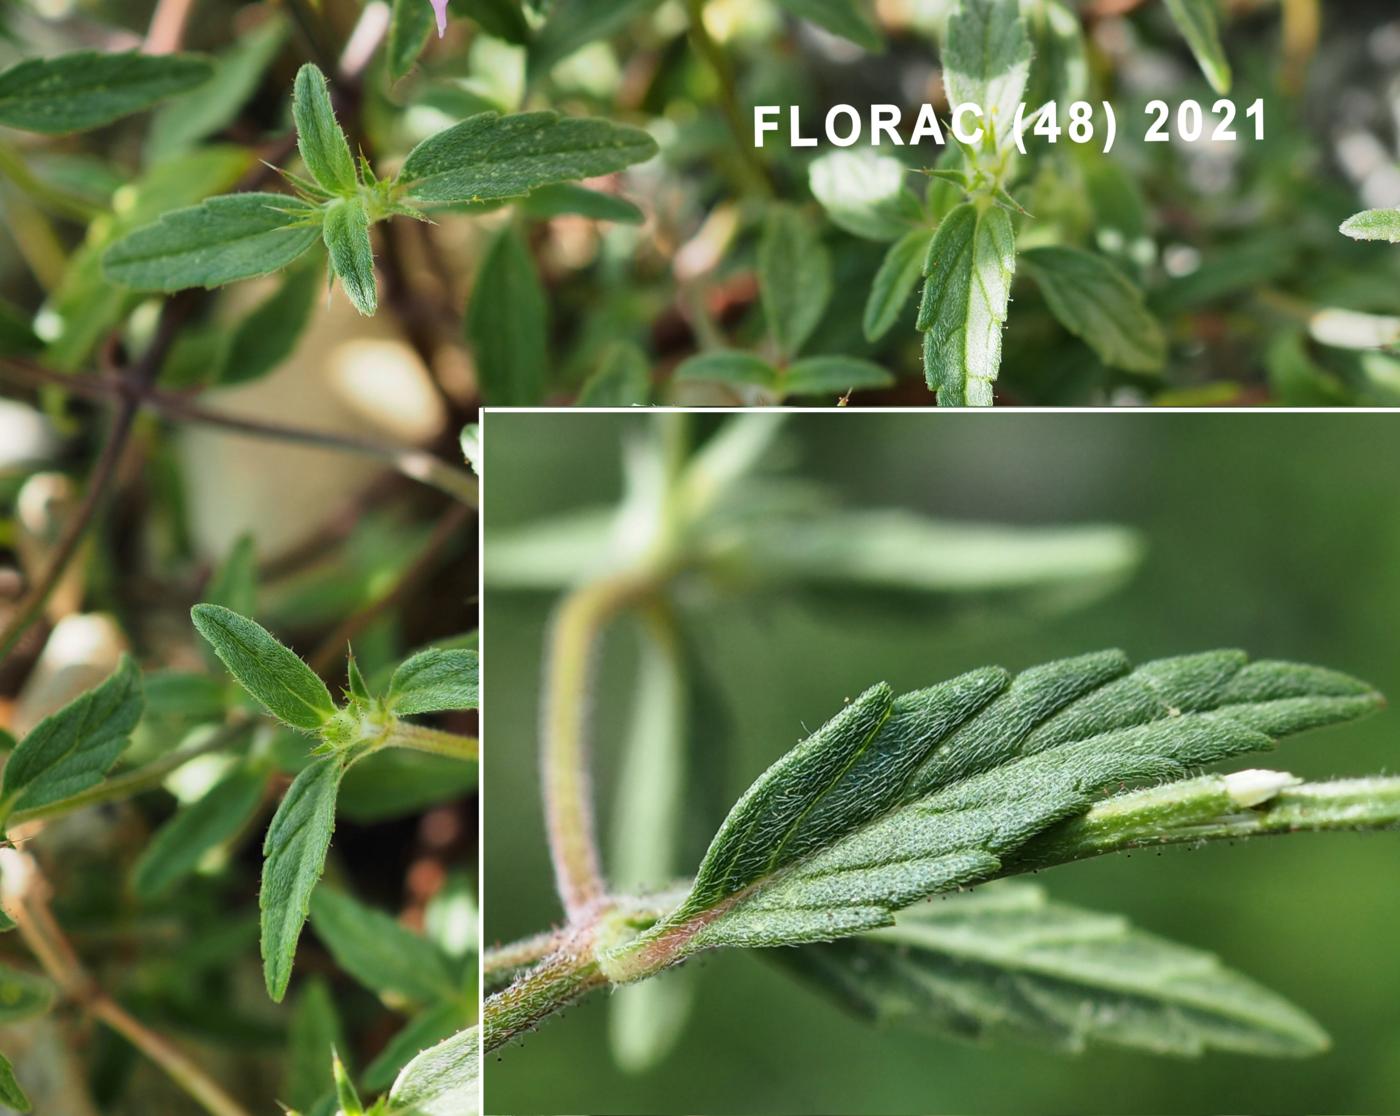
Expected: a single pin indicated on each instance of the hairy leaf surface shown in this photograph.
(967, 289)
(1374, 224)
(272, 673)
(442, 1081)
(1006, 963)
(987, 61)
(222, 240)
(489, 157)
(73, 749)
(320, 140)
(346, 231)
(294, 852)
(895, 799)
(74, 92)
(433, 681)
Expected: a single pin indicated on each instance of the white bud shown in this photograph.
(1253, 787)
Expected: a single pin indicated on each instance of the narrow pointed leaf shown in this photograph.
(1198, 21)
(1374, 224)
(1006, 963)
(489, 157)
(896, 799)
(322, 144)
(443, 1080)
(433, 681)
(10, 1092)
(74, 92)
(833, 375)
(846, 18)
(987, 62)
(967, 289)
(508, 324)
(899, 274)
(177, 847)
(294, 853)
(272, 673)
(270, 332)
(410, 25)
(222, 240)
(384, 956)
(794, 278)
(73, 749)
(346, 231)
(1099, 304)
(728, 366)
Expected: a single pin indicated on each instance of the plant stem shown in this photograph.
(417, 465)
(503, 960)
(753, 170)
(573, 844)
(26, 895)
(1203, 810)
(553, 984)
(435, 741)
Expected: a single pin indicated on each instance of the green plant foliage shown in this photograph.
(847, 18)
(508, 324)
(441, 1081)
(346, 231)
(988, 62)
(378, 952)
(1006, 963)
(897, 799)
(794, 276)
(1374, 224)
(10, 1092)
(323, 146)
(410, 25)
(71, 750)
(1197, 20)
(273, 674)
(75, 92)
(22, 995)
(434, 680)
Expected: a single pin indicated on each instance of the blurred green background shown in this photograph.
(1271, 532)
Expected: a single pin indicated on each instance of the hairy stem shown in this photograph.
(435, 741)
(573, 843)
(557, 981)
(502, 961)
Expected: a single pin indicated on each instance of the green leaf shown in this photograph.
(74, 92)
(177, 847)
(433, 681)
(322, 144)
(444, 1080)
(502, 18)
(425, 1029)
(622, 379)
(896, 550)
(222, 240)
(410, 25)
(10, 1092)
(1005, 963)
(1060, 69)
(1374, 224)
(294, 854)
(345, 1094)
(508, 324)
(832, 375)
(214, 105)
(1100, 305)
(794, 278)
(864, 193)
(384, 956)
(1198, 22)
(968, 270)
(488, 156)
(289, 689)
(899, 274)
(397, 782)
(22, 995)
(576, 23)
(346, 231)
(897, 799)
(728, 366)
(987, 62)
(268, 335)
(73, 749)
(563, 198)
(314, 1032)
(846, 18)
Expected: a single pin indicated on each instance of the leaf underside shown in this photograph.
(896, 799)
(1005, 963)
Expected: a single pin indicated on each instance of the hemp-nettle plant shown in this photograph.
(901, 797)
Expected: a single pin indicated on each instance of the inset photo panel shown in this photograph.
(887, 763)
